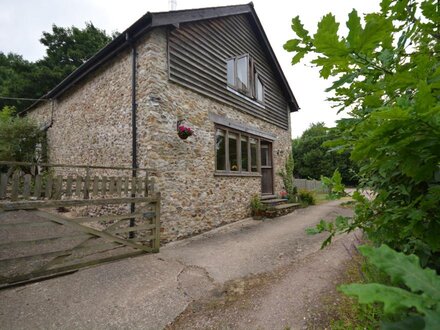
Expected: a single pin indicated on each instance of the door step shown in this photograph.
(281, 209)
(273, 201)
(276, 207)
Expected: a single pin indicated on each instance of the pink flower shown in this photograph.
(184, 131)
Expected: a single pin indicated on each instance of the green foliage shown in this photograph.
(386, 74)
(340, 225)
(16, 80)
(313, 158)
(66, 49)
(19, 137)
(334, 185)
(287, 176)
(257, 207)
(416, 289)
(307, 197)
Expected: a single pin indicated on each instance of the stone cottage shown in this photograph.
(210, 69)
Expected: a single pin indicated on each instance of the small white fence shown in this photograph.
(314, 185)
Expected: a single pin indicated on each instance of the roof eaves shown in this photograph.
(151, 20)
(191, 15)
(136, 30)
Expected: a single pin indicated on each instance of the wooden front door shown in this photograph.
(266, 168)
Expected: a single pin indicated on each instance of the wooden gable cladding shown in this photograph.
(197, 54)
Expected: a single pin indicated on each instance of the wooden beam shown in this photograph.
(88, 230)
(30, 205)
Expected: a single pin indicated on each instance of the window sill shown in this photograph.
(240, 174)
(258, 104)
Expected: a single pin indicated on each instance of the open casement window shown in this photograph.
(242, 70)
(242, 76)
(259, 89)
(236, 152)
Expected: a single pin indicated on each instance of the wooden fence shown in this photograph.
(314, 185)
(105, 218)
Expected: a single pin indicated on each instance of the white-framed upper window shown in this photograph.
(242, 76)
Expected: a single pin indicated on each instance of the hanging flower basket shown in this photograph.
(184, 132)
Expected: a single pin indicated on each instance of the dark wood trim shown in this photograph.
(271, 166)
(235, 125)
(243, 174)
(176, 19)
(239, 134)
(198, 55)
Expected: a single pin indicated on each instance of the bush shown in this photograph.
(19, 137)
(307, 197)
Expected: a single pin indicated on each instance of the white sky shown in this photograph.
(23, 21)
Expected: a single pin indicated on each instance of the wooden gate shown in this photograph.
(55, 219)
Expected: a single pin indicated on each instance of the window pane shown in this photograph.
(242, 73)
(233, 157)
(230, 68)
(259, 90)
(253, 143)
(265, 160)
(220, 150)
(244, 153)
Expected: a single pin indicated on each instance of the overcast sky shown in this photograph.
(23, 21)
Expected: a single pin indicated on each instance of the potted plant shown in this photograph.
(184, 132)
(257, 208)
(283, 194)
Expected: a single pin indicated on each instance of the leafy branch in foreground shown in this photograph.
(415, 298)
(336, 188)
(386, 74)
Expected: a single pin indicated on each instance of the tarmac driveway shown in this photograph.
(149, 292)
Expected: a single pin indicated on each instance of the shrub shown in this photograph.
(19, 137)
(307, 197)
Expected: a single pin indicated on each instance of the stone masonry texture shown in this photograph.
(92, 125)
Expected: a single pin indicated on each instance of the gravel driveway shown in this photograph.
(250, 274)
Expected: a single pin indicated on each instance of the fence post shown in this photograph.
(87, 183)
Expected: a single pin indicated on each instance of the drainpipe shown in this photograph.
(134, 161)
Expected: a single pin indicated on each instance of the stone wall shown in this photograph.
(92, 126)
(194, 199)
(92, 121)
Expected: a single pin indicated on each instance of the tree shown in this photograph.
(386, 73)
(313, 159)
(66, 49)
(16, 80)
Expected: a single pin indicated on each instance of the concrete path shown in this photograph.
(150, 291)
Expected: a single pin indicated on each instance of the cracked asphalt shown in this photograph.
(270, 265)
